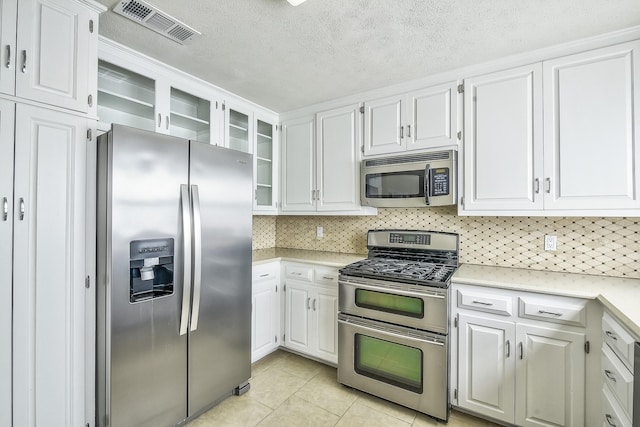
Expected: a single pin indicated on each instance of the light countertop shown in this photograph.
(331, 259)
(620, 296)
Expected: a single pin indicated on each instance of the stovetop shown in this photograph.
(426, 258)
(399, 270)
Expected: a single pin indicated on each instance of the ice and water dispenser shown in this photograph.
(151, 269)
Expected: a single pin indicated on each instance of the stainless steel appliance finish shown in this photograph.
(427, 395)
(174, 277)
(415, 180)
(433, 316)
(636, 385)
(393, 319)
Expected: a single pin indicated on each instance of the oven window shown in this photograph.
(390, 303)
(395, 185)
(389, 362)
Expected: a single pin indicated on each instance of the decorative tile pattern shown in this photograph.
(602, 246)
(264, 232)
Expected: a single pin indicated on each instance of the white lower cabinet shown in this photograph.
(617, 373)
(311, 309)
(526, 373)
(265, 312)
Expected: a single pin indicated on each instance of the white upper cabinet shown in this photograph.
(52, 56)
(383, 126)
(265, 172)
(298, 165)
(433, 117)
(338, 141)
(417, 120)
(592, 118)
(238, 127)
(321, 163)
(8, 12)
(190, 116)
(503, 140)
(555, 138)
(125, 97)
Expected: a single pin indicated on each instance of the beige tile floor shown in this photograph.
(289, 390)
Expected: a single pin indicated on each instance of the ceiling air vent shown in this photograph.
(151, 17)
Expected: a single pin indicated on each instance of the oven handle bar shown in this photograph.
(392, 334)
(382, 288)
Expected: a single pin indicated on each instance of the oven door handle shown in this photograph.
(392, 291)
(391, 334)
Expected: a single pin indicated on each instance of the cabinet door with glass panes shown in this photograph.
(265, 166)
(190, 116)
(125, 97)
(128, 98)
(239, 127)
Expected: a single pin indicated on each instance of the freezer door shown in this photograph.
(141, 353)
(220, 328)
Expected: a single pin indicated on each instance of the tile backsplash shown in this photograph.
(605, 246)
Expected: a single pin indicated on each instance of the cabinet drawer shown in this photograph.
(556, 310)
(612, 413)
(620, 341)
(298, 272)
(498, 304)
(264, 272)
(326, 276)
(618, 378)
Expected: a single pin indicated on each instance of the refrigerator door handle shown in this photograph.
(186, 241)
(197, 256)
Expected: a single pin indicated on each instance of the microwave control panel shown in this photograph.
(439, 181)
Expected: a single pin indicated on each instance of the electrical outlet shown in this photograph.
(319, 232)
(550, 242)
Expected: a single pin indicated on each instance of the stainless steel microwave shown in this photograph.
(415, 180)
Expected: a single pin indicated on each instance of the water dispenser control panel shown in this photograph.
(151, 269)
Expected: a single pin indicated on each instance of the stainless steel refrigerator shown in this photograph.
(174, 277)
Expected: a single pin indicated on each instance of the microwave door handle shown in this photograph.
(427, 189)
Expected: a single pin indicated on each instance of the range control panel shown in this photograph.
(410, 238)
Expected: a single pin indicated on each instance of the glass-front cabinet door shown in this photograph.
(239, 127)
(190, 116)
(265, 167)
(125, 97)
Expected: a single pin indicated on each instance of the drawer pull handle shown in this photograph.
(609, 418)
(264, 275)
(610, 375)
(508, 348)
(327, 278)
(611, 335)
(483, 303)
(295, 273)
(308, 306)
(550, 313)
(314, 304)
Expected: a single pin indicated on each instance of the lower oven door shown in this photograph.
(421, 307)
(399, 364)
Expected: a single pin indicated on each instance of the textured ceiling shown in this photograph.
(286, 57)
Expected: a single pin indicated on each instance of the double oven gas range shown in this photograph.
(393, 316)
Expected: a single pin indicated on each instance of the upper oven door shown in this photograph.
(411, 184)
(414, 307)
